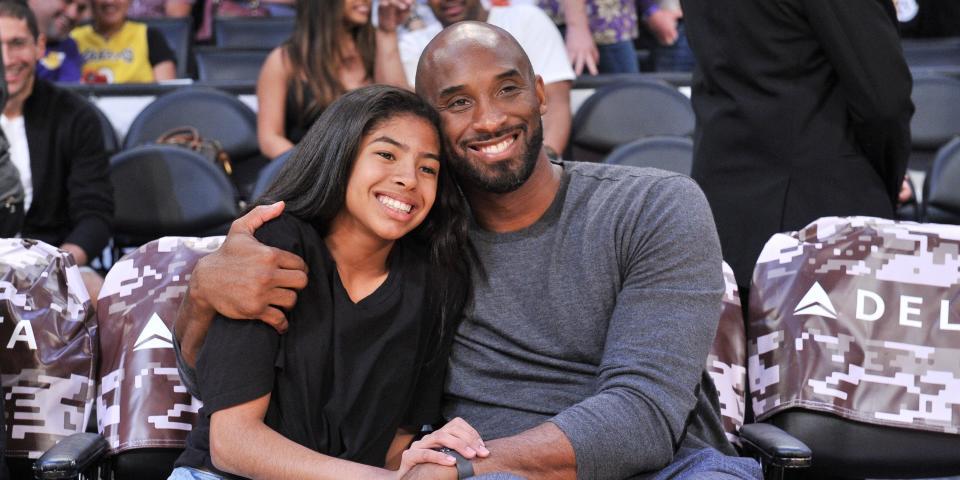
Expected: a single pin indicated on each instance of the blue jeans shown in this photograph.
(618, 58)
(187, 473)
(674, 58)
(707, 464)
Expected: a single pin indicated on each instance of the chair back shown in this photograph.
(217, 115)
(727, 361)
(48, 336)
(162, 190)
(674, 154)
(263, 33)
(936, 119)
(225, 65)
(941, 199)
(178, 32)
(269, 173)
(620, 113)
(854, 336)
(143, 410)
(110, 141)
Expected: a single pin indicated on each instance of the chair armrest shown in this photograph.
(70, 457)
(774, 446)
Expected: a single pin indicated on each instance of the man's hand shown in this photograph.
(246, 279)
(663, 25)
(581, 49)
(432, 471)
(393, 13)
(78, 254)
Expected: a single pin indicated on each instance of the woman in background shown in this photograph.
(334, 48)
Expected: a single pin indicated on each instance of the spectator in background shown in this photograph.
(57, 145)
(61, 61)
(670, 51)
(613, 24)
(540, 41)
(116, 50)
(334, 48)
(929, 18)
(803, 111)
(160, 8)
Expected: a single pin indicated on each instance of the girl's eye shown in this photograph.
(428, 170)
(386, 155)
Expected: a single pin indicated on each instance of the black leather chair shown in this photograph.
(936, 119)
(262, 33)
(162, 190)
(217, 115)
(674, 154)
(620, 113)
(941, 200)
(269, 173)
(110, 141)
(221, 64)
(178, 32)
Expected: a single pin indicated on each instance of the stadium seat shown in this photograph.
(48, 333)
(941, 200)
(145, 411)
(269, 173)
(162, 190)
(674, 154)
(217, 115)
(932, 53)
(225, 65)
(854, 338)
(262, 33)
(936, 119)
(110, 141)
(178, 32)
(620, 113)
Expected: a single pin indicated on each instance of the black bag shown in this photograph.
(11, 193)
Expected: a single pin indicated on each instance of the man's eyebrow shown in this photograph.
(386, 139)
(451, 90)
(513, 72)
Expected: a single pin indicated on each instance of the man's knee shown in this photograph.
(708, 463)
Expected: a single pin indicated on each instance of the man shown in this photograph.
(803, 111)
(61, 62)
(539, 39)
(582, 353)
(57, 145)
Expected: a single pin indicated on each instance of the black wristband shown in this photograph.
(464, 467)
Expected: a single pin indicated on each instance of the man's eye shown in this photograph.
(459, 103)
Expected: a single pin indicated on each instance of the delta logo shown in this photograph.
(155, 335)
(909, 311)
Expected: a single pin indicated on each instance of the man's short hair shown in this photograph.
(20, 11)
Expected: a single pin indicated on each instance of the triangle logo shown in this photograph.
(154, 335)
(817, 303)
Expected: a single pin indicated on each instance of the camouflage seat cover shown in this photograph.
(859, 317)
(727, 361)
(141, 402)
(48, 333)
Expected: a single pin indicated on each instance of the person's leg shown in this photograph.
(187, 473)
(93, 282)
(618, 57)
(497, 476)
(674, 58)
(707, 463)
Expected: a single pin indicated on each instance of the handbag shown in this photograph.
(189, 137)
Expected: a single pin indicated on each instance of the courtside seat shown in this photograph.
(854, 336)
(942, 186)
(673, 154)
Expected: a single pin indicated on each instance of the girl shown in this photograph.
(383, 229)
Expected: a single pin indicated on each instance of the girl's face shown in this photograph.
(356, 12)
(394, 179)
(110, 14)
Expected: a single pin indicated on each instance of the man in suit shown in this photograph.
(803, 110)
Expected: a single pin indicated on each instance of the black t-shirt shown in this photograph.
(157, 48)
(345, 376)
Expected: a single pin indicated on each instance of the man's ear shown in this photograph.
(41, 45)
(541, 94)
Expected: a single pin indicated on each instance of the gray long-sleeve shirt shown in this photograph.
(597, 318)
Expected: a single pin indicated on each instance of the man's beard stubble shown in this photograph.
(498, 177)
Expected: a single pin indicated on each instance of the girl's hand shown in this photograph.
(457, 435)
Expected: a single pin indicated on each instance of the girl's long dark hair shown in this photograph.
(313, 183)
(314, 54)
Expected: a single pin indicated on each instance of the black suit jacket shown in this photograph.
(72, 194)
(803, 110)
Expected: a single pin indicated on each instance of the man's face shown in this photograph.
(449, 12)
(57, 17)
(490, 108)
(20, 54)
